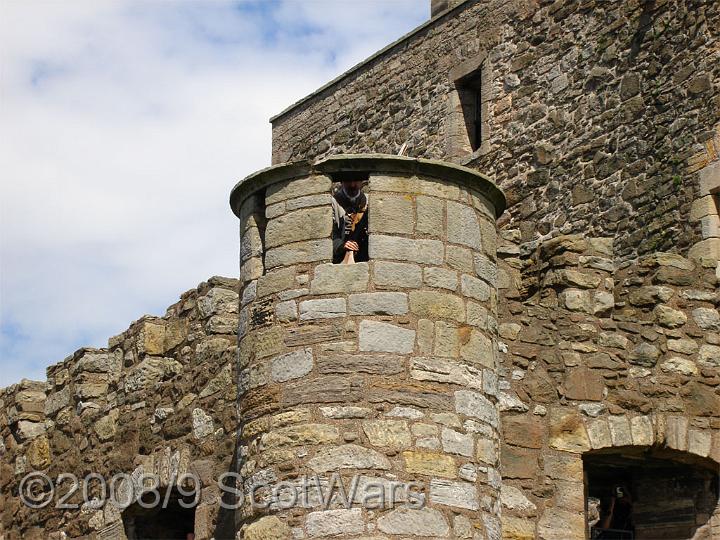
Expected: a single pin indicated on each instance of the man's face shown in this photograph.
(352, 187)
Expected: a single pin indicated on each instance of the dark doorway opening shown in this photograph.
(166, 520)
(641, 493)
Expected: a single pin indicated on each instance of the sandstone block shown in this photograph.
(301, 434)
(409, 521)
(430, 216)
(378, 303)
(324, 308)
(463, 226)
(383, 337)
(348, 456)
(388, 433)
(707, 318)
(438, 370)
(441, 278)
(681, 366)
(299, 252)
(406, 249)
(475, 405)
(292, 189)
(709, 356)
(642, 431)
(620, 430)
(392, 274)
(268, 528)
(286, 311)
(429, 463)
(650, 295)
(392, 214)
(567, 431)
(372, 364)
(202, 424)
(335, 522)
(599, 433)
(454, 442)
(340, 278)
(474, 288)
(437, 305)
(291, 365)
(459, 258)
(457, 494)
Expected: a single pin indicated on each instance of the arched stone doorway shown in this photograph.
(643, 493)
(172, 518)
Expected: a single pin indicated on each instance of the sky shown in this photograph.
(123, 127)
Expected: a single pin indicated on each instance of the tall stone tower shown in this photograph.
(379, 377)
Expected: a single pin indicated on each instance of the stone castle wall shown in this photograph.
(597, 115)
(161, 398)
(382, 372)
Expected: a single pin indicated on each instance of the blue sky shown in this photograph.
(123, 126)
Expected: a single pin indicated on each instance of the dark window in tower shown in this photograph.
(469, 90)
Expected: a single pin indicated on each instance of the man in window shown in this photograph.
(350, 219)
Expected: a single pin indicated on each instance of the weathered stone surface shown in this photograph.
(276, 281)
(417, 522)
(560, 524)
(474, 288)
(430, 216)
(406, 249)
(669, 317)
(523, 430)
(335, 522)
(328, 389)
(388, 433)
(344, 412)
(202, 423)
(268, 528)
(456, 494)
(441, 278)
(476, 405)
(430, 464)
(392, 214)
(681, 366)
(305, 224)
(438, 370)
(378, 303)
(292, 189)
(360, 363)
(299, 252)
(567, 431)
(291, 365)
(394, 274)
(707, 318)
(340, 278)
(383, 337)
(709, 356)
(437, 305)
(650, 295)
(325, 308)
(463, 226)
(514, 499)
(454, 442)
(349, 456)
(583, 384)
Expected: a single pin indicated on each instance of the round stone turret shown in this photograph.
(368, 391)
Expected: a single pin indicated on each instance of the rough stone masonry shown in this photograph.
(508, 363)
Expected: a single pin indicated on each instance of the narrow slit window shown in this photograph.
(469, 90)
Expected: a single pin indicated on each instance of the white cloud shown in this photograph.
(123, 126)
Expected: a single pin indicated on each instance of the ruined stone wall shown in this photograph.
(161, 398)
(380, 372)
(594, 357)
(598, 115)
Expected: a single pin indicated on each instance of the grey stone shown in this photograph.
(361, 363)
(383, 337)
(454, 442)
(393, 274)
(202, 423)
(292, 189)
(430, 216)
(218, 301)
(474, 288)
(324, 308)
(335, 522)
(286, 311)
(406, 249)
(291, 365)
(485, 268)
(475, 405)
(457, 494)
(441, 278)
(378, 303)
(274, 282)
(707, 318)
(438, 370)
(463, 226)
(391, 214)
(339, 278)
(299, 252)
(348, 456)
(409, 521)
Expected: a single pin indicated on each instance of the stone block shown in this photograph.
(454, 442)
(392, 274)
(276, 281)
(583, 384)
(459, 258)
(620, 430)
(486, 268)
(477, 348)
(393, 434)
(324, 308)
(430, 216)
(378, 303)
(406, 249)
(291, 365)
(372, 364)
(414, 522)
(267, 528)
(437, 305)
(339, 278)
(286, 311)
(348, 456)
(438, 370)
(463, 226)
(299, 435)
(392, 214)
(475, 405)
(523, 430)
(453, 493)
(345, 522)
(699, 442)
(676, 434)
(383, 337)
(299, 252)
(292, 189)
(567, 432)
(598, 433)
(429, 464)
(707, 318)
(440, 278)
(642, 431)
(423, 186)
